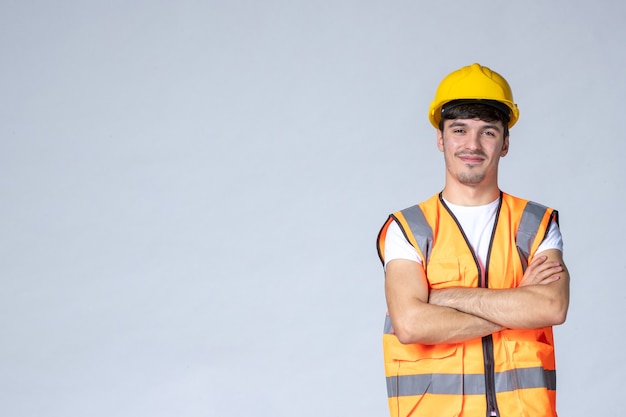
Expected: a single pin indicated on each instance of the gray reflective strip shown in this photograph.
(421, 230)
(527, 230)
(525, 378)
(470, 384)
(388, 329)
(401, 386)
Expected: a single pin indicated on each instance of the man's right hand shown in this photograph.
(540, 272)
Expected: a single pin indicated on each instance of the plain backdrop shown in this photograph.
(190, 193)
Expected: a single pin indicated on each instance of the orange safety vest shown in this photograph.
(508, 373)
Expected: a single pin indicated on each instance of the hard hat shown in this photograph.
(473, 82)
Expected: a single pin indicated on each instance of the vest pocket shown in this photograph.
(421, 379)
(530, 371)
(445, 272)
(415, 352)
(526, 348)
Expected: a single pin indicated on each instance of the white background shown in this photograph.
(190, 193)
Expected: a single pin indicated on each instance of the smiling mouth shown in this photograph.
(471, 159)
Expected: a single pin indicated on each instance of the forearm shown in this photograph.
(526, 307)
(432, 324)
(415, 320)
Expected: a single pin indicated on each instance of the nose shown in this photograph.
(473, 140)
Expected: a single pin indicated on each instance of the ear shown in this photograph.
(440, 140)
(505, 147)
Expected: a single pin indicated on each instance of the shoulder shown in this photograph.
(423, 206)
(528, 209)
(523, 201)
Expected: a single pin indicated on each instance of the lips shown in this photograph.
(471, 159)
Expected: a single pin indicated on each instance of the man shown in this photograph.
(474, 277)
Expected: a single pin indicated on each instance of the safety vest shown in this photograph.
(510, 373)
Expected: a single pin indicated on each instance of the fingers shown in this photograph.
(547, 272)
(550, 279)
(541, 272)
(537, 261)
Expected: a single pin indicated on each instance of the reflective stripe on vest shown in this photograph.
(471, 384)
(527, 230)
(421, 230)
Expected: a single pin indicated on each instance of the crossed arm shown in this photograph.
(457, 314)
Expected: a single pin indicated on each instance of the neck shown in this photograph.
(468, 195)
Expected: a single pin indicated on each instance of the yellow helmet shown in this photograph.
(473, 82)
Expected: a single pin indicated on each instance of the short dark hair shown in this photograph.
(475, 109)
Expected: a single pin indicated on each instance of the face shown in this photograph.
(472, 149)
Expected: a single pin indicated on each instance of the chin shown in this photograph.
(470, 179)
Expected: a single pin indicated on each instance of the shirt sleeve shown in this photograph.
(553, 239)
(397, 246)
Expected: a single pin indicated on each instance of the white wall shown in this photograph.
(191, 191)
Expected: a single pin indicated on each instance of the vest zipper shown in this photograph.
(487, 341)
(490, 384)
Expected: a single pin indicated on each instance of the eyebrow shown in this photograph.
(458, 123)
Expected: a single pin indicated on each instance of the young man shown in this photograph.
(474, 277)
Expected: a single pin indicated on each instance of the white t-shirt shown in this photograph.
(477, 223)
